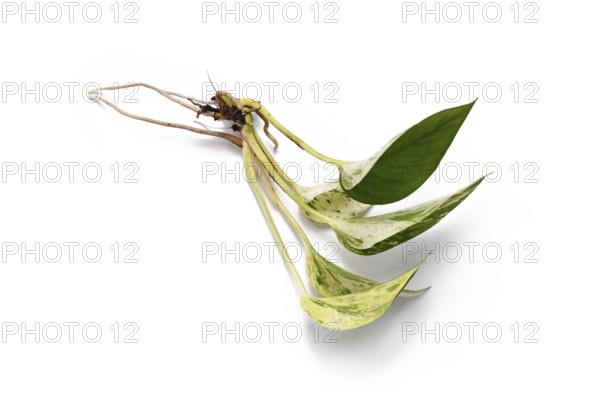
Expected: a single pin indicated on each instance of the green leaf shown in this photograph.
(356, 309)
(331, 280)
(373, 235)
(331, 201)
(406, 162)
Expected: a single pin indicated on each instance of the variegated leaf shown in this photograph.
(356, 309)
(374, 235)
(331, 201)
(330, 279)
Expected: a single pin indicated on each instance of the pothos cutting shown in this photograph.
(345, 300)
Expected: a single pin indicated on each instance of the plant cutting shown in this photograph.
(345, 300)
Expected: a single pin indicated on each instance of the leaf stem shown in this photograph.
(267, 116)
(276, 200)
(249, 136)
(253, 178)
(274, 163)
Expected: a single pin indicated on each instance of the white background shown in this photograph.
(370, 56)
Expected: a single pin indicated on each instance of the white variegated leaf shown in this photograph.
(330, 279)
(331, 201)
(373, 235)
(354, 310)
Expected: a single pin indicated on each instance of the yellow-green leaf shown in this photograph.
(330, 279)
(356, 309)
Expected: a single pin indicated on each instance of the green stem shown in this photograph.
(274, 163)
(299, 142)
(249, 136)
(253, 178)
(276, 200)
